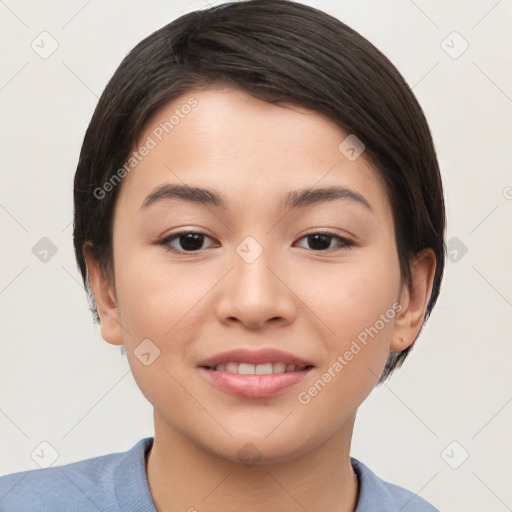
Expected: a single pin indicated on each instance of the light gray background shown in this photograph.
(62, 384)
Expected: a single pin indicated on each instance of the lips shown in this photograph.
(254, 374)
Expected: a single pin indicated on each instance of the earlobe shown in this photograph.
(414, 300)
(104, 297)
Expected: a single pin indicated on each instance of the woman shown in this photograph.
(259, 220)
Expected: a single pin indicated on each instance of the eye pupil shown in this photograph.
(320, 242)
(192, 241)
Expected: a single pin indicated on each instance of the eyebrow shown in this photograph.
(295, 199)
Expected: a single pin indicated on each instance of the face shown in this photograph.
(309, 283)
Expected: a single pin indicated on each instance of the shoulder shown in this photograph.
(377, 495)
(87, 485)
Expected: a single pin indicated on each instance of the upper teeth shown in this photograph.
(257, 369)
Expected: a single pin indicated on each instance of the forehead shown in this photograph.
(224, 139)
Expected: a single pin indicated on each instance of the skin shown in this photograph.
(312, 303)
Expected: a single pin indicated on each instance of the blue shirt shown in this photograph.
(117, 483)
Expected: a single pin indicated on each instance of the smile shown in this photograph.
(257, 369)
(253, 373)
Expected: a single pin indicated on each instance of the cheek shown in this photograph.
(359, 305)
(350, 296)
(155, 298)
(155, 302)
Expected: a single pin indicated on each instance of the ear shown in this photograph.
(104, 296)
(414, 300)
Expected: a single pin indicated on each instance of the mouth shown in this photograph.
(255, 374)
(257, 369)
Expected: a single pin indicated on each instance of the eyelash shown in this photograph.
(344, 242)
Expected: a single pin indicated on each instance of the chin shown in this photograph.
(253, 451)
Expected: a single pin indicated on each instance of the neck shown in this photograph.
(183, 476)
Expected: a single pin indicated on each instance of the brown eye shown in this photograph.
(185, 241)
(323, 241)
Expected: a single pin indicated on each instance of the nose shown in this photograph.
(257, 294)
